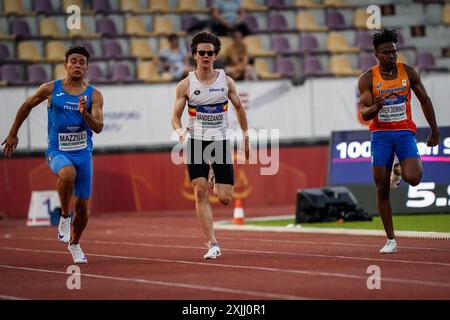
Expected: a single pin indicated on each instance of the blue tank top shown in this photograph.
(67, 129)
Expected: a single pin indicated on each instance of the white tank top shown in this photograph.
(208, 106)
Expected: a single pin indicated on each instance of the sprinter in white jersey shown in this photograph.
(207, 91)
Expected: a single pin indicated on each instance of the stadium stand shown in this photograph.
(286, 35)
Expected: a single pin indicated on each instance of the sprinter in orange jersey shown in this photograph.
(385, 97)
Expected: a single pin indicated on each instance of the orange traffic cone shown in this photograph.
(238, 216)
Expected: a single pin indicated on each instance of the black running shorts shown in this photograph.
(201, 154)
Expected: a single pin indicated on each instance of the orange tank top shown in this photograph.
(396, 111)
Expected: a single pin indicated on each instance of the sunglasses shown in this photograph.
(202, 53)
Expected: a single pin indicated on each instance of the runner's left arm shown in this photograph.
(95, 118)
(425, 103)
(240, 113)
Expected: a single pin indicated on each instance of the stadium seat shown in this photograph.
(364, 40)
(253, 5)
(263, 72)
(89, 47)
(366, 62)
(401, 58)
(20, 28)
(252, 23)
(148, 72)
(133, 6)
(313, 67)
(340, 66)
(121, 73)
(13, 7)
(285, 67)
(360, 18)
(55, 51)
(4, 52)
(308, 4)
(160, 6)
(337, 43)
(308, 43)
(278, 23)
(106, 27)
(277, 5)
(226, 42)
(281, 45)
(101, 6)
(112, 49)
(28, 50)
(59, 71)
(446, 14)
(191, 6)
(337, 4)
(425, 61)
(135, 26)
(84, 32)
(255, 47)
(10, 75)
(307, 22)
(95, 74)
(140, 48)
(188, 21)
(49, 28)
(162, 25)
(36, 74)
(335, 20)
(68, 3)
(43, 7)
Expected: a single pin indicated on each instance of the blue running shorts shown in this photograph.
(83, 166)
(385, 143)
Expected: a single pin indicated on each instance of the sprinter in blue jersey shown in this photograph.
(75, 109)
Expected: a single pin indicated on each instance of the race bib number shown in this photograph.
(394, 110)
(72, 141)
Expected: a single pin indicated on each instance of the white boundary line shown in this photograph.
(6, 297)
(226, 225)
(118, 243)
(168, 284)
(244, 267)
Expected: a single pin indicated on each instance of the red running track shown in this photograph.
(161, 257)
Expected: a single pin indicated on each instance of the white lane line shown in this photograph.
(429, 263)
(152, 235)
(170, 284)
(6, 297)
(232, 266)
(158, 235)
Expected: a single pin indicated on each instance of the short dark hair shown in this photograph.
(172, 36)
(384, 36)
(77, 49)
(205, 37)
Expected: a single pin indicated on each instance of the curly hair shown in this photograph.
(77, 49)
(205, 37)
(384, 36)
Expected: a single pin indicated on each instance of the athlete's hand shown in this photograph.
(378, 102)
(182, 135)
(246, 147)
(82, 104)
(433, 139)
(10, 145)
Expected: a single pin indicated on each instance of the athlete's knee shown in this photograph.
(67, 174)
(201, 192)
(224, 199)
(81, 208)
(413, 180)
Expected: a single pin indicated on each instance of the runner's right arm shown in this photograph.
(42, 93)
(369, 106)
(180, 103)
